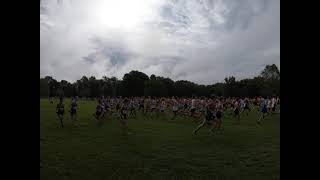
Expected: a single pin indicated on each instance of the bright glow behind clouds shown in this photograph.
(198, 40)
(121, 13)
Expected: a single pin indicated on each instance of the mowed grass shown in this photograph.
(156, 148)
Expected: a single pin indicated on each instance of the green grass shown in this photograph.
(156, 149)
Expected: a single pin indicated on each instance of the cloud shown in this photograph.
(198, 40)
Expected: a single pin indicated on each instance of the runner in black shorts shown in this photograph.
(60, 111)
(124, 115)
(73, 110)
(246, 107)
(219, 109)
(185, 106)
(162, 105)
(264, 110)
(118, 107)
(141, 104)
(208, 120)
(175, 108)
(273, 104)
(154, 106)
(99, 111)
(237, 111)
(132, 107)
(274, 108)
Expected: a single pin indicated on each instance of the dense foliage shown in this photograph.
(136, 83)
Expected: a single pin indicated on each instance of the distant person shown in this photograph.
(278, 103)
(73, 109)
(208, 120)
(193, 108)
(60, 110)
(246, 107)
(99, 111)
(175, 108)
(162, 105)
(132, 107)
(141, 104)
(264, 109)
(147, 104)
(219, 113)
(124, 115)
(118, 105)
(185, 105)
(255, 103)
(103, 106)
(153, 105)
(269, 105)
(273, 104)
(236, 110)
(202, 109)
(242, 104)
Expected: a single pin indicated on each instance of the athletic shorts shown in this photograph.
(73, 111)
(210, 117)
(192, 110)
(60, 112)
(246, 107)
(264, 110)
(219, 114)
(124, 115)
(210, 120)
(98, 113)
(274, 108)
(236, 112)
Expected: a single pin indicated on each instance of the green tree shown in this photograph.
(136, 83)
(271, 72)
(155, 88)
(133, 83)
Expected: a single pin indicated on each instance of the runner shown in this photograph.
(132, 106)
(208, 120)
(124, 115)
(60, 111)
(174, 103)
(246, 106)
(273, 104)
(99, 111)
(264, 109)
(193, 108)
(73, 109)
(219, 110)
(236, 111)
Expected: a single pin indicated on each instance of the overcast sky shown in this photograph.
(197, 40)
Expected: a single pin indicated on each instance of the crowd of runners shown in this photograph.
(202, 110)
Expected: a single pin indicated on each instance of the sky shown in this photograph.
(202, 41)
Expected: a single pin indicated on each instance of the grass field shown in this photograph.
(157, 148)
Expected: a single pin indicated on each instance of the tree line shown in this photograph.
(137, 83)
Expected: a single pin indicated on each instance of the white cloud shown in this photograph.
(201, 41)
